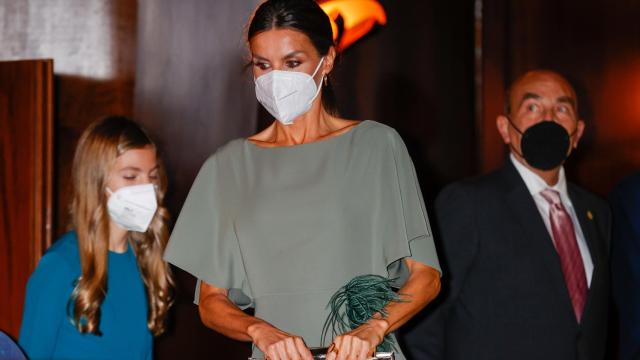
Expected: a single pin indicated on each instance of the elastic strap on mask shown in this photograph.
(312, 75)
(519, 132)
(317, 67)
(513, 125)
(319, 87)
(516, 151)
(522, 134)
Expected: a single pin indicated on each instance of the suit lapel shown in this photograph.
(535, 232)
(590, 232)
(586, 222)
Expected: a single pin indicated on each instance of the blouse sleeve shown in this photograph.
(407, 219)
(45, 306)
(203, 241)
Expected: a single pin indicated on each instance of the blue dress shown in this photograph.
(47, 331)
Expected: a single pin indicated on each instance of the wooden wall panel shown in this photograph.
(416, 74)
(492, 36)
(26, 179)
(93, 44)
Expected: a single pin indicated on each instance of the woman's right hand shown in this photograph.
(277, 344)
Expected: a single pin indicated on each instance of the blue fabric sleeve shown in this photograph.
(45, 306)
(625, 205)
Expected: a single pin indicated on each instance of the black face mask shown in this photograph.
(544, 145)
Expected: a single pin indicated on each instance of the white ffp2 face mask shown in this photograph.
(287, 94)
(133, 207)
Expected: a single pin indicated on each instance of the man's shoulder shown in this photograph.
(487, 183)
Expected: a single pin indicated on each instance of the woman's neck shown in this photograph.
(315, 125)
(312, 126)
(117, 238)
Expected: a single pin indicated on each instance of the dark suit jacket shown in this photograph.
(504, 295)
(625, 264)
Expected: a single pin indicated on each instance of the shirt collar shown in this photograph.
(535, 184)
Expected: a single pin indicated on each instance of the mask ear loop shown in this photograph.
(519, 132)
(522, 134)
(317, 68)
(318, 87)
(513, 125)
(312, 75)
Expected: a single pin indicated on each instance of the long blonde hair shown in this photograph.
(98, 148)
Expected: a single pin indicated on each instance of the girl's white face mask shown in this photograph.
(287, 94)
(133, 207)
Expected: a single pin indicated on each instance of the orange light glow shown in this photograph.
(358, 16)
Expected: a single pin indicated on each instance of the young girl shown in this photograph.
(103, 290)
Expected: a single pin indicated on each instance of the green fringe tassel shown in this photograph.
(356, 302)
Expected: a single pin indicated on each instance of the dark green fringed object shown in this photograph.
(356, 302)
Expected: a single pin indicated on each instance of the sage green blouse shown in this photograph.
(284, 228)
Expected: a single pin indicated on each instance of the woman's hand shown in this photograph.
(360, 343)
(277, 344)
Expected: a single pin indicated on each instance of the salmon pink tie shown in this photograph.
(564, 239)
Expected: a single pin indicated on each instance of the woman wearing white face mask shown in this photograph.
(103, 290)
(282, 220)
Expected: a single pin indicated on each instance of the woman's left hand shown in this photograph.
(360, 343)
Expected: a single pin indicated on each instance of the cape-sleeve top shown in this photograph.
(284, 228)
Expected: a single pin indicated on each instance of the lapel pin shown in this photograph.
(589, 214)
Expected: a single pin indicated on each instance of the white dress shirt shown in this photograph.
(535, 184)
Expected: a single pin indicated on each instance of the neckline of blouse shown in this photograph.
(122, 255)
(309, 144)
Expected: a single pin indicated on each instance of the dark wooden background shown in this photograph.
(92, 44)
(26, 170)
(596, 44)
(436, 73)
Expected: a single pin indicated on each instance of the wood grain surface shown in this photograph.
(26, 179)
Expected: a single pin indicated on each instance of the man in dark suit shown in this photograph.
(625, 264)
(526, 253)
